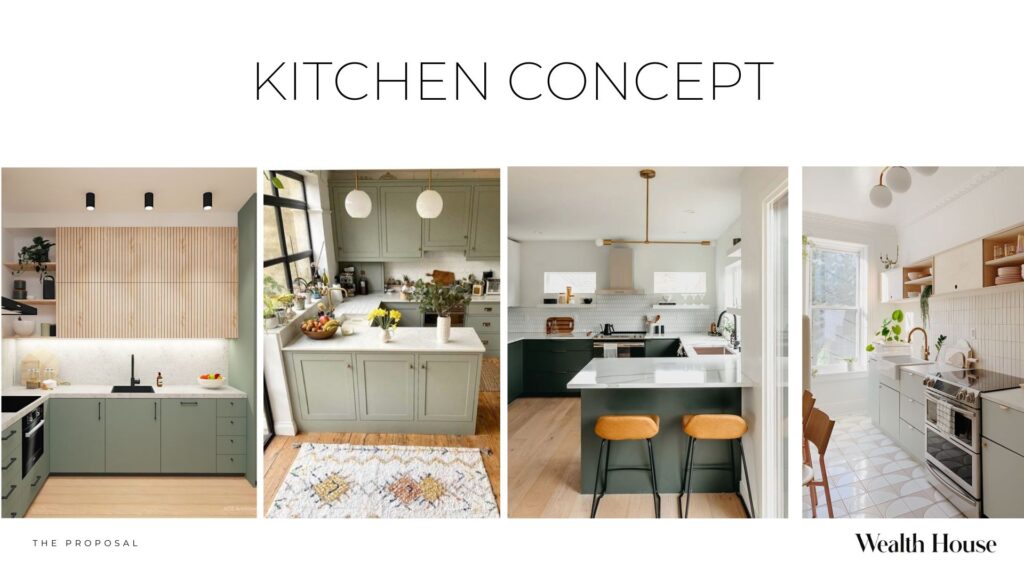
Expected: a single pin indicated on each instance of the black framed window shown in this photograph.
(268, 418)
(287, 234)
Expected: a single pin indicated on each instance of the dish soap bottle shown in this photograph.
(159, 380)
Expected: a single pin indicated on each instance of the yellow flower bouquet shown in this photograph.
(386, 319)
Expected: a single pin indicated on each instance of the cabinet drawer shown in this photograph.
(231, 407)
(912, 385)
(484, 324)
(1003, 425)
(548, 384)
(35, 480)
(1001, 472)
(230, 464)
(491, 342)
(558, 360)
(231, 445)
(912, 411)
(230, 426)
(912, 441)
(11, 441)
(15, 499)
(483, 308)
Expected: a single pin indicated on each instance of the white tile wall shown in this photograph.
(451, 261)
(627, 313)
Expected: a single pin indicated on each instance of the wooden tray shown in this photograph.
(559, 325)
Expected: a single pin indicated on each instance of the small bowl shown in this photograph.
(915, 275)
(322, 335)
(913, 294)
(212, 383)
(589, 300)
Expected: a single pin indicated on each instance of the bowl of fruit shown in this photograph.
(320, 328)
(215, 380)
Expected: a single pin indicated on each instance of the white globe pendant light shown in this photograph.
(925, 170)
(357, 202)
(897, 178)
(429, 203)
(880, 196)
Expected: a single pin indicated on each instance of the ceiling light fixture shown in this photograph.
(894, 179)
(207, 200)
(149, 200)
(429, 203)
(647, 174)
(90, 201)
(357, 202)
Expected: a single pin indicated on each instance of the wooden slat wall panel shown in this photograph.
(147, 282)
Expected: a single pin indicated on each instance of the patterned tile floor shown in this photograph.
(871, 477)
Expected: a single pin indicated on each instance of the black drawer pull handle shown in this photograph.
(190, 403)
(36, 483)
(232, 440)
(488, 308)
(9, 434)
(487, 323)
(231, 421)
(9, 492)
(10, 463)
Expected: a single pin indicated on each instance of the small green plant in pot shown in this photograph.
(37, 253)
(442, 300)
(891, 330)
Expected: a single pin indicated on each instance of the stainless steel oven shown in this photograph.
(458, 318)
(953, 450)
(618, 349)
(33, 426)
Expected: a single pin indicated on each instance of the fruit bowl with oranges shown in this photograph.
(215, 380)
(320, 328)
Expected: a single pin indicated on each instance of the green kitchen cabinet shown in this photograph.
(77, 429)
(188, 436)
(356, 239)
(661, 347)
(386, 385)
(401, 233)
(133, 436)
(1001, 472)
(515, 370)
(549, 365)
(448, 387)
(325, 384)
(450, 230)
(485, 226)
(15, 498)
(411, 315)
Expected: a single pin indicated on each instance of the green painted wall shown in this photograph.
(242, 351)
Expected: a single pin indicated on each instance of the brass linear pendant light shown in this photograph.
(647, 174)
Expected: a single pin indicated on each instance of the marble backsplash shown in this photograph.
(627, 313)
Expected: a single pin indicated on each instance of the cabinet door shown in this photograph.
(661, 348)
(485, 232)
(411, 315)
(912, 441)
(892, 284)
(357, 238)
(188, 436)
(515, 370)
(889, 411)
(78, 428)
(326, 386)
(1001, 471)
(450, 230)
(386, 384)
(401, 226)
(448, 385)
(959, 269)
(133, 436)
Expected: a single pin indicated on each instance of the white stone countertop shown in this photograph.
(1012, 398)
(656, 373)
(407, 339)
(688, 339)
(103, 391)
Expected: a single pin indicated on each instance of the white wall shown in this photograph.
(513, 294)
(722, 249)
(452, 261)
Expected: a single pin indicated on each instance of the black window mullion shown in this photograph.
(277, 202)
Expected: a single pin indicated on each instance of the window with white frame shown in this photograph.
(680, 282)
(733, 279)
(580, 282)
(837, 300)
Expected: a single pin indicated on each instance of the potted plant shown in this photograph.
(926, 293)
(37, 253)
(849, 363)
(269, 316)
(892, 328)
(938, 347)
(441, 300)
(387, 320)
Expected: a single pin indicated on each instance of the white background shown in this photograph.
(864, 83)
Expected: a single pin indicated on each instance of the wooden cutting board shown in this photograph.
(560, 325)
(443, 277)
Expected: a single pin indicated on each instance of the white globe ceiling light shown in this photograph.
(881, 196)
(897, 178)
(357, 202)
(925, 170)
(429, 203)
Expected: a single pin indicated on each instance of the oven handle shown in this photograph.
(35, 429)
(941, 477)
(620, 344)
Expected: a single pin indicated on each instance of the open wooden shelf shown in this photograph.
(38, 302)
(1007, 260)
(989, 243)
(921, 267)
(921, 281)
(29, 267)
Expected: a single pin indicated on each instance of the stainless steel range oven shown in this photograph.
(619, 345)
(33, 443)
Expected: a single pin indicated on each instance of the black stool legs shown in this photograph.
(688, 476)
(601, 477)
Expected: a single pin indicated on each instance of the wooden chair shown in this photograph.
(808, 406)
(818, 432)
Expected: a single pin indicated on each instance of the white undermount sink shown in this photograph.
(712, 351)
(889, 366)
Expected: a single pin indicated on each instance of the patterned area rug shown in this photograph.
(349, 481)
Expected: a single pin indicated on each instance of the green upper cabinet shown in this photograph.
(133, 436)
(485, 228)
(188, 436)
(401, 226)
(450, 230)
(357, 239)
(78, 435)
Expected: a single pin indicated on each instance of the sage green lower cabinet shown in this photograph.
(326, 385)
(386, 385)
(78, 435)
(12, 490)
(133, 436)
(443, 394)
(1001, 472)
(188, 436)
(514, 359)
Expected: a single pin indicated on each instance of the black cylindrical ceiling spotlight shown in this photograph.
(90, 201)
(207, 200)
(149, 200)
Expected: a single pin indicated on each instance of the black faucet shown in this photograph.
(134, 380)
(733, 341)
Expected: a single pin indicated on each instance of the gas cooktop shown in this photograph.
(967, 385)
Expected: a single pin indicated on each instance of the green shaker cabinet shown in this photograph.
(358, 239)
(443, 394)
(133, 436)
(326, 385)
(188, 436)
(485, 227)
(450, 230)
(515, 370)
(1001, 472)
(401, 226)
(551, 364)
(78, 435)
(661, 347)
(386, 386)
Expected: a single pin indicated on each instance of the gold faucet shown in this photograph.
(911, 334)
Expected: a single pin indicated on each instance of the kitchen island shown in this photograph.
(411, 385)
(670, 388)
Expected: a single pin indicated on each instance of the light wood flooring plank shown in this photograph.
(144, 497)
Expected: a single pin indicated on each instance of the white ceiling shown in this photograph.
(121, 189)
(843, 192)
(592, 203)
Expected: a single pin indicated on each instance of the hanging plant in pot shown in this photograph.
(442, 300)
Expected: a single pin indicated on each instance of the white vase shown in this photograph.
(444, 329)
(24, 327)
(385, 336)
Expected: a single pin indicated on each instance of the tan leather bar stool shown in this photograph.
(713, 427)
(614, 428)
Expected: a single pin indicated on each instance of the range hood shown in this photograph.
(620, 272)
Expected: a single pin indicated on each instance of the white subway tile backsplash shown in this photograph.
(627, 313)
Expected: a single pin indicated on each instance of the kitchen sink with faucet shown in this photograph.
(134, 386)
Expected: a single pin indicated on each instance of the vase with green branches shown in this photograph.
(442, 300)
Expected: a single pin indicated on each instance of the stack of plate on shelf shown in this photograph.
(1008, 274)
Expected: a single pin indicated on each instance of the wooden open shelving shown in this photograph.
(38, 302)
(1008, 236)
(920, 267)
(29, 267)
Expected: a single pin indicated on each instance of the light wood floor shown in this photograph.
(145, 497)
(282, 450)
(544, 471)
